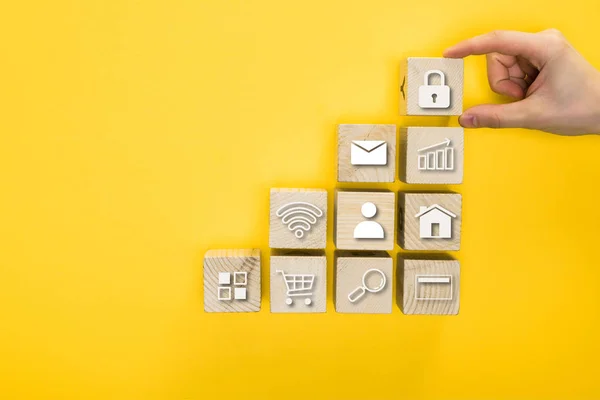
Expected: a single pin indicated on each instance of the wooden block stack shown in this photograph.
(298, 279)
(365, 222)
(430, 221)
(365, 219)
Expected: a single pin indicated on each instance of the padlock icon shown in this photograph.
(434, 96)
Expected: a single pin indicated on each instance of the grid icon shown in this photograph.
(224, 288)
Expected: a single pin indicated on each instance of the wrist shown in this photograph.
(595, 107)
(596, 127)
(588, 117)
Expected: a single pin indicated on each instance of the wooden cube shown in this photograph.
(365, 220)
(298, 219)
(429, 286)
(366, 153)
(433, 155)
(363, 282)
(430, 221)
(232, 280)
(298, 283)
(431, 86)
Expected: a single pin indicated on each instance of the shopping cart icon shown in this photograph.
(298, 285)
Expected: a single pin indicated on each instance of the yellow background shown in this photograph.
(135, 135)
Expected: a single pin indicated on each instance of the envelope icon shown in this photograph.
(368, 152)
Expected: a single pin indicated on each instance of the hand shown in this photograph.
(557, 90)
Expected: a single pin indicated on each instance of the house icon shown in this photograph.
(435, 222)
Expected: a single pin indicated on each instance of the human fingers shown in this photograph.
(531, 72)
(513, 115)
(505, 76)
(511, 43)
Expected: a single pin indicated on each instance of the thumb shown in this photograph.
(512, 115)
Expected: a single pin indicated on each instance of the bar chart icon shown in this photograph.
(437, 157)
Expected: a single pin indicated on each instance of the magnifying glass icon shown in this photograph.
(360, 291)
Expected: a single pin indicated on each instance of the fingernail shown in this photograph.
(449, 53)
(469, 121)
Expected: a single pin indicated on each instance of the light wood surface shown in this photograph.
(412, 76)
(366, 173)
(232, 260)
(409, 233)
(298, 264)
(280, 236)
(417, 138)
(348, 215)
(410, 289)
(350, 268)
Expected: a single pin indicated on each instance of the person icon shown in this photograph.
(368, 229)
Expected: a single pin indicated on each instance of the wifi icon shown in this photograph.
(299, 216)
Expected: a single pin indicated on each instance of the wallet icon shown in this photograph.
(368, 152)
